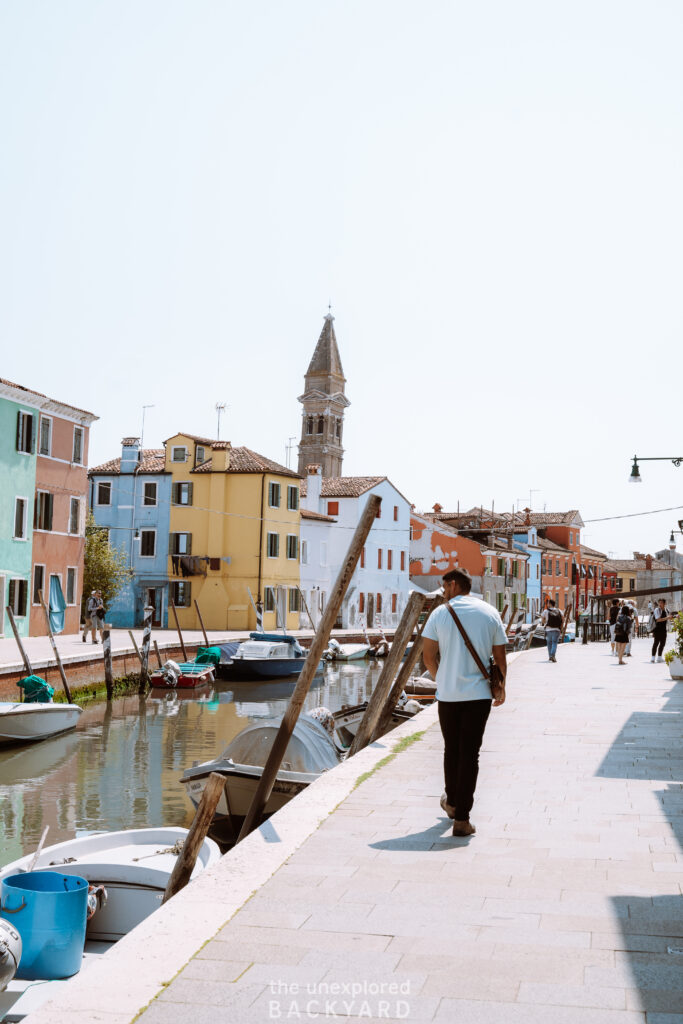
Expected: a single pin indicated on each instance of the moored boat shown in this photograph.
(346, 652)
(29, 722)
(265, 656)
(182, 675)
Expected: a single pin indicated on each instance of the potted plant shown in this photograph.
(674, 657)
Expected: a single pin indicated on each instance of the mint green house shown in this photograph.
(18, 439)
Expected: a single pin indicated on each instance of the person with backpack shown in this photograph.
(613, 615)
(658, 620)
(552, 620)
(622, 632)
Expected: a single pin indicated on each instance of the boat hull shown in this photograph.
(185, 682)
(28, 723)
(261, 668)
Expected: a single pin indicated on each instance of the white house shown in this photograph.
(330, 510)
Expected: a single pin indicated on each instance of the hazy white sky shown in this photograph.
(490, 194)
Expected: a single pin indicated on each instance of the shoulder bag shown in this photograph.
(492, 674)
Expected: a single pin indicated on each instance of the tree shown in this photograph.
(105, 568)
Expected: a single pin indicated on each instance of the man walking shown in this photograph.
(464, 695)
(613, 616)
(552, 620)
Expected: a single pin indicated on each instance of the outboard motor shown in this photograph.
(170, 670)
(10, 952)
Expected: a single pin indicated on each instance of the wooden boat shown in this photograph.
(134, 866)
(346, 652)
(28, 722)
(347, 720)
(265, 656)
(189, 676)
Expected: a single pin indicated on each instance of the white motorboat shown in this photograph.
(264, 656)
(134, 866)
(345, 652)
(29, 722)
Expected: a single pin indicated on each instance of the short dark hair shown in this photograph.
(461, 577)
(551, 603)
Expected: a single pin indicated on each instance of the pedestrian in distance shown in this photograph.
(622, 632)
(462, 691)
(92, 619)
(552, 620)
(633, 612)
(660, 617)
(613, 614)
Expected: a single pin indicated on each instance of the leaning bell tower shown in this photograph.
(324, 402)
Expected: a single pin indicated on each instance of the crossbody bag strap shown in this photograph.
(468, 643)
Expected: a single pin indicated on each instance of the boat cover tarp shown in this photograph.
(227, 651)
(57, 605)
(208, 656)
(36, 690)
(310, 749)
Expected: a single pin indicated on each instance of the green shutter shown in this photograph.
(189, 493)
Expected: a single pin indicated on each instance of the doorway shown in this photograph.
(154, 600)
(281, 611)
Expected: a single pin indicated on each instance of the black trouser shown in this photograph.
(462, 726)
(658, 640)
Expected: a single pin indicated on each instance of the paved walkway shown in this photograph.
(565, 907)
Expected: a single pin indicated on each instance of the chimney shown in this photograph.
(314, 485)
(220, 456)
(437, 508)
(130, 454)
(648, 562)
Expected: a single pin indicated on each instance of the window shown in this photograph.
(26, 441)
(394, 602)
(38, 582)
(199, 455)
(501, 567)
(557, 567)
(571, 538)
(333, 508)
(181, 543)
(550, 567)
(179, 454)
(74, 515)
(18, 594)
(273, 544)
(148, 543)
(274, 495)
(362, 558)
(292, 550)
(181, 592)
(545, 567)
(361, 604)
(309, 424)
(619, 583)
(149, 493)
(538, 571)
(566, 568)
(632, 584)
(269, 603)
(304, 552)
(42, 512)
(379, 558)
(20, 507)
(378, 602)
(292, 499)
(320, 426)
(104, 492)
(390, 559)
(515, 568)
(71, 586)
(395, 513)
(293, 599)
(181, 494)
(78, 446)
(45, 447)
(403, 561)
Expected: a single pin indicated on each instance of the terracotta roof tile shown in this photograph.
(244, 460)
(153, 461)
(345, 486)
(591, 552)
(635, 565)
(550, 545)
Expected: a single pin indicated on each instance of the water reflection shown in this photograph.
(121, 767)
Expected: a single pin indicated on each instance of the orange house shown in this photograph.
(436, 548)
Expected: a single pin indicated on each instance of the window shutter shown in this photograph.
(33, 438)
(12, 584)
(23, 589)
(171, 545)
(189, 493)
(189, 543)
(18, 440)
(174, 494)
(50, 498)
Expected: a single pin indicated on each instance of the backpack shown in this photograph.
(651, 623)
(613, 614)
(554, 619)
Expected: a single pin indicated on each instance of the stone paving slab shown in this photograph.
(561, 909)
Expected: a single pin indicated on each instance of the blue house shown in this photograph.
(131, 498)
(528, 541)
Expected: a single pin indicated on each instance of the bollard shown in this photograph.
(585, 633)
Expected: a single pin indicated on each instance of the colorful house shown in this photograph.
(331, 510)
(130, 497)
(233, 535)
(50, 441)
(644, 572)
(556, 574)
(436, 548)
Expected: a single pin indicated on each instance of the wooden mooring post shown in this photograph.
(177, 626)
(146, 640)
(62, 673)
(201, 622)
(106, 654)
(378, 698)
(187, 857)
(135, 645)
(310, 667)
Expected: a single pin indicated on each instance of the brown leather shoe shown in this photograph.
(463, 828)
(445, 806)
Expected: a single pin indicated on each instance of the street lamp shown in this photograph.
(635, 477)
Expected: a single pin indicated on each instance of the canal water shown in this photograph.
(121, 767)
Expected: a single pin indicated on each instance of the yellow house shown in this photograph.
(234, 532)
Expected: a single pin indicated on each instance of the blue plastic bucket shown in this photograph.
(49, 911)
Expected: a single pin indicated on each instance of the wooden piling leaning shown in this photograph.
(146, 638)
(565, 621)
(135, 645)
(22, 649)
(201, 623)
(158, 654)
(106, 653)
(187, 857)
(177, 626)
(378, 698)
(310, 667)
(62, 673)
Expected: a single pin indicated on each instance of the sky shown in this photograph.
(489, 195)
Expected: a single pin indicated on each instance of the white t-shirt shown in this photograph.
(458, 677)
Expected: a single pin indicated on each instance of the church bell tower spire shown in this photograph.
(323, 403)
